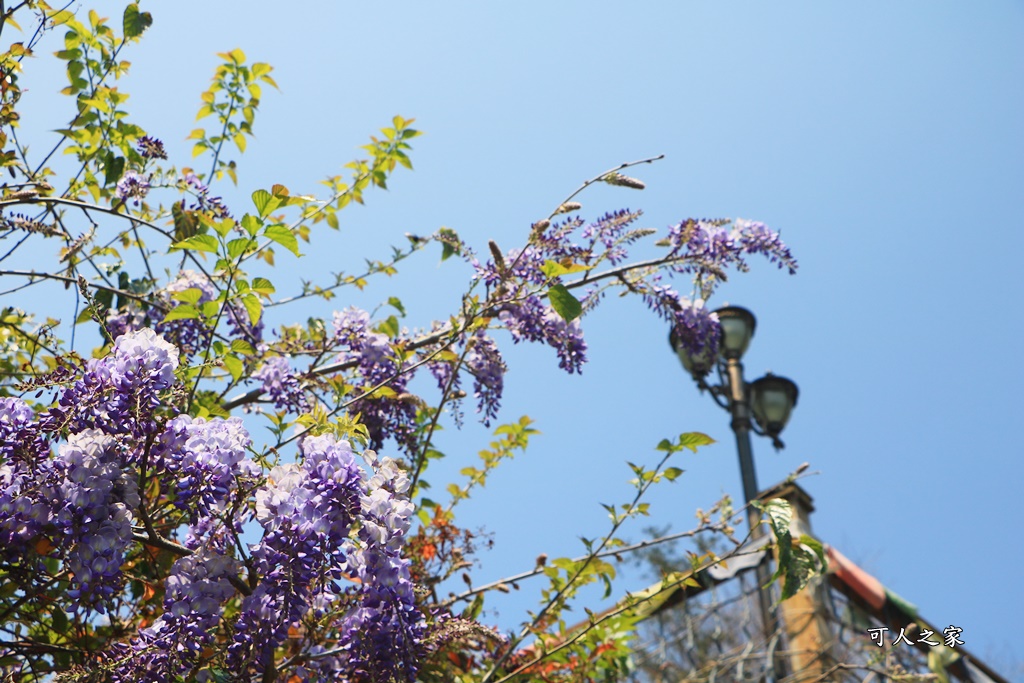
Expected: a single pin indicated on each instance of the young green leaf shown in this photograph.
(198, 243)
(564, 303)
(284, 237)
(693, 440)
(135, 22)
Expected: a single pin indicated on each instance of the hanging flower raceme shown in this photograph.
(713, 245)
(377, 363)
(119, 393)
(190, 335)
(132, 185)
(282, 385)
(382, 638)
(306, 511)
(206, 460)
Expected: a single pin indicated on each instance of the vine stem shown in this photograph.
(447, 329)
(719, 527)
(618, 520)
(597, 178)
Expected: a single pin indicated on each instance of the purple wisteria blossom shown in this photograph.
(713, 245)
(381, 639)
(695, 325)
(531, 320)
(282, 385)
(151, 148)
(306, 512)
(132, 185)
(119, 392)
(485, 363)
(92, 498)
(170, 648)
(190, 335)
(204, 202)
(377, 363)
(206, 459)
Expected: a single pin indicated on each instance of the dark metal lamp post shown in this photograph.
(769, 400)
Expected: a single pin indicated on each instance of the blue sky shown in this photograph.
(883, 139)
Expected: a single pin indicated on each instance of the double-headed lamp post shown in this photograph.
(769, 400)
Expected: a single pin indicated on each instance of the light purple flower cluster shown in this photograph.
(382, 637)
(193, 339)
(757, 238)
(19, 437)
(206, 459)
(80, 503)
(190, 335)
(151, 148)
(377, 363)
(695, 324)
(132, 185)
(23, 513)
(324, 525)
(519, 280)
(485, 363)
(712, 245)
(91, 496)
(119, 392)
(169, 649)
(306, 512)
(530, 320)
(281, 383)
(610, 231)
(204, 202)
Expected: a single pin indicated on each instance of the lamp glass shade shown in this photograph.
(737, 330)
(772, 400)
(698, 365)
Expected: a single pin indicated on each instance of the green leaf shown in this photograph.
(693, 440)
(243, 347)
(135, 22)
(672, 473)
(192, 295)
(253, 306)
(554, 269)
(265, 202)
(397, 303)
(389, 326)
(250, 223)
(283, 236)
(113, 168)
(60, 621)
(449, 242)
(234, 365)
(262, 285)
(237, 247)
(182, 312)
(198, 243)
(185, 224)
(473, 611)
(564, 303)
(818, 548)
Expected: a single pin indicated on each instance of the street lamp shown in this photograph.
(769, 400)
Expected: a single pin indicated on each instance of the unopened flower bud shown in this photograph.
(542, 559)
(614, 178)
(499, 259)
(569, 207)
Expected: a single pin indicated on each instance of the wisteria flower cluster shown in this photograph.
(376, 364)
(332, 537)
(190, 335)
